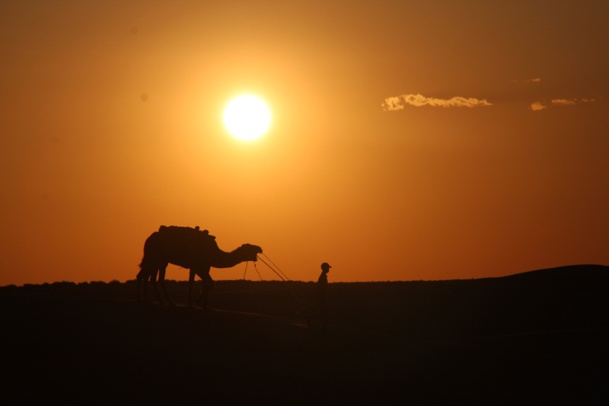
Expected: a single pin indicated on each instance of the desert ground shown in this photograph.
(537, 337)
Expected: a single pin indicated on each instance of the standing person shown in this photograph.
(321, 295)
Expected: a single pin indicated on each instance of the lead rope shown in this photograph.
(255, 267)
(299, 301)
(272, 269)
(280, 271)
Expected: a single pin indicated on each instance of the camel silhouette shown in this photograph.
(190, 248)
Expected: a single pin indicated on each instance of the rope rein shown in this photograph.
(273, 267)
(277, 272)
(256, 268)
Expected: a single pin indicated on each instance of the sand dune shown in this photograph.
(531, 338)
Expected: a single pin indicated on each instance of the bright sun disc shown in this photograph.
(247, 117)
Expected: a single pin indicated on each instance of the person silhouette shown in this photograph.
(321, 295)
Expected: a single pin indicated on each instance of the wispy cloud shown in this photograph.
(418, 100)
(571, 102)
(538, 106)
(533, 80)
(563, 102)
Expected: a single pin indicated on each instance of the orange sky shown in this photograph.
(411, 139)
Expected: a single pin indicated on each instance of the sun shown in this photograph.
(247, 117)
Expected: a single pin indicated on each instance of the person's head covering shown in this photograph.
(325, 265)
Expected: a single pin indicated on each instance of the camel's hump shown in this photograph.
(179, 233)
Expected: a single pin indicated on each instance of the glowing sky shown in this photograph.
(410, 139)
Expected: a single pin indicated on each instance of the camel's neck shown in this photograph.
(227, 259)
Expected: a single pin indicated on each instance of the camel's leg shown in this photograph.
(143, 287)
(207, 285)
(191, 281)
(156, 288)
(138, 286)
(142, 284)
(162, 271)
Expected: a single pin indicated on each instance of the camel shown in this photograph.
(190, 248)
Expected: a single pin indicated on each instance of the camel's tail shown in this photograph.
(150, 247)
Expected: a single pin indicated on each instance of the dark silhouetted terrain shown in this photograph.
(533, 338)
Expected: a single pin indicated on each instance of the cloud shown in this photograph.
(571, 102)
(399, 102)
(538, 106)
(563, 102)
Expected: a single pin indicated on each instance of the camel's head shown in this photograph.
(249, 252)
